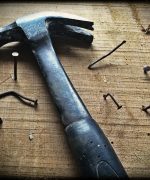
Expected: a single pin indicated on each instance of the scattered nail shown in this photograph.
(146, 69)
(22, 98)
(114, 49)
(15, 55)
(145, 108)
(105, 96)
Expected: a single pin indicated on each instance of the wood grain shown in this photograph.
(121, 74)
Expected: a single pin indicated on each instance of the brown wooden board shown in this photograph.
(121, 74)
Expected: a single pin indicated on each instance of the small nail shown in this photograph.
(23, 99)
(108, 94)
(15, 55)
(109, 53)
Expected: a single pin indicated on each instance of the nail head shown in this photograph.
(31, 137)
(15, 54)
(104, 96)
(143, 108)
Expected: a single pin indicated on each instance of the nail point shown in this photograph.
(36, 102)
(89, 67)
(119, 107)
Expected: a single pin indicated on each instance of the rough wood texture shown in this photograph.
(121, 74)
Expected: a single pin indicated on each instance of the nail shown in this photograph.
(146, 69)
(114, 49)
(145, 108)
(23, 99)
(15, 55)
(108, 94)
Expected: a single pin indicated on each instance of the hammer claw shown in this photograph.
(71, 32)
(73, 22)
(69, 19)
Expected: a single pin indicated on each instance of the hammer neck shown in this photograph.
(66, 98)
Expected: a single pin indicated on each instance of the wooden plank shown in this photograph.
(121, 74)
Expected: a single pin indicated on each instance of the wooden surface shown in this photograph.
(47, 154)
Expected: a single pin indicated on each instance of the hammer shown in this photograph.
(88, 143)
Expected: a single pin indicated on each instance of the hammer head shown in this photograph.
(31, 28)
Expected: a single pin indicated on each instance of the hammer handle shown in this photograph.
(93, 150)
(87, 141)
(68, 102)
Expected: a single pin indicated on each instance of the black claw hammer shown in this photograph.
(87, 141)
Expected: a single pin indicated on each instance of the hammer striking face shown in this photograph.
(87, 141)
